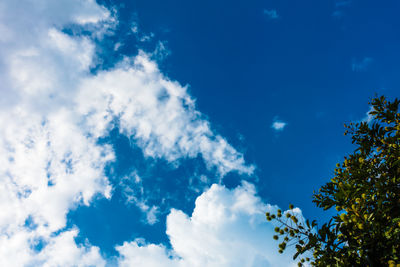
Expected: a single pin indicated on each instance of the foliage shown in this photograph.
(365, 191)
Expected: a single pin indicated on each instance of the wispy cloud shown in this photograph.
(156, 112)
(343, 3)
(368, 117)
(271, 13)
(337, 14)
(361, 65)
(339, 8)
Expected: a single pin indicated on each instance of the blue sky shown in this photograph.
(158, 133)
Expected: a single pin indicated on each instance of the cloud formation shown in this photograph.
(52, 112)
(226, 228)
(48, 162)
(155, 111)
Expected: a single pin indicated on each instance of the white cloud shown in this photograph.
(48, 163)
(226, 228)
(139, 253)
(133, 191)
(278, 125)
(271, 13)
(61, 250)
(368, 117)
(53, 110)
(117, 46)
(155, 111)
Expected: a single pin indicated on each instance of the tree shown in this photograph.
(365, 191)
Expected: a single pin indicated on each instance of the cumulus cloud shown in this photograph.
(48, 163)
(226, 228)
(52, 112)
(30, 248)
